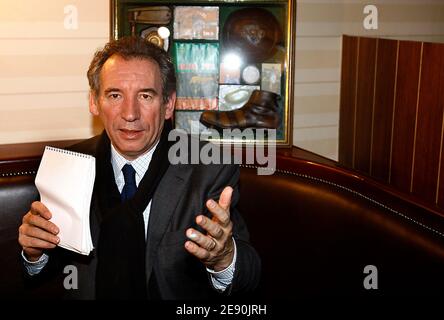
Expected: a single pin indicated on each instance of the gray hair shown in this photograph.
(133, 47)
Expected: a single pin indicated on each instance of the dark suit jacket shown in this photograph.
(179, 198)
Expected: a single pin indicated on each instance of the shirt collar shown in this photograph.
(139, 164)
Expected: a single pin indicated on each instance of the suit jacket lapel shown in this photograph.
(94, 220)
(162, 208)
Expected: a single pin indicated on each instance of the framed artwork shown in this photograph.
(231, 58)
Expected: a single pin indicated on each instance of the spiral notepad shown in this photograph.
(65, 181)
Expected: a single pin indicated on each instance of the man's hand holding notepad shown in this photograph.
(65, 181)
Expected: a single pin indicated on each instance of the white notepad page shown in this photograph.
(65, 181)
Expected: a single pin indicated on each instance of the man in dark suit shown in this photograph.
(161, 231)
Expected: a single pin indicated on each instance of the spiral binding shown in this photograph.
(73, 153)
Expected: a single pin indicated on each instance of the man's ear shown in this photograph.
(93, 107)
(169, 106)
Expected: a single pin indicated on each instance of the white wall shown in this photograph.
(43, 85)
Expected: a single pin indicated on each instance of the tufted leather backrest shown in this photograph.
(315, 231)
(316, 236)
(17, 192)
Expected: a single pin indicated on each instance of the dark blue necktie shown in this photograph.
(129, 189)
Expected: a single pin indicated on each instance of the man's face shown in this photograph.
(130, 104)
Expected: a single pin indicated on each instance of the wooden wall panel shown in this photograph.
(429, 123)
(348, 100)
(364, 103)
(386, 63)
(399, 114)
(406, 95)
(440, 189)
(320, 25)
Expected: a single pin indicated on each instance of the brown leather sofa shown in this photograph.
(316, 228)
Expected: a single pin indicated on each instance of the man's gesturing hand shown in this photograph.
(216, 248)
(37, 233)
